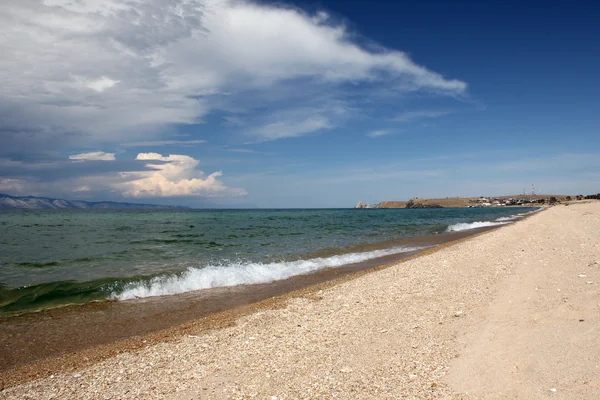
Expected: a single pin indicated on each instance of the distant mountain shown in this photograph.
(41, 203)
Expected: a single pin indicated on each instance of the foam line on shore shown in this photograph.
(463, 226)
(240, 273)
(504, 219)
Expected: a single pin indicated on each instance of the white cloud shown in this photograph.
(149, 175)
(155, 143)
(409, 116)
(100, 84)
(94, 156)
(320, 17)
(291, 127)
(113, 69)
(379, 132)
(176, 176)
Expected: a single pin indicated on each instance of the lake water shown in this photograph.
(50, 258)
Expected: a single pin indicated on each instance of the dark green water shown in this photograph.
(51, 258)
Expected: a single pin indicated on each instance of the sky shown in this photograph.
(237, 103)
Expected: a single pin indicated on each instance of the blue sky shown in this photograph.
(298, 104)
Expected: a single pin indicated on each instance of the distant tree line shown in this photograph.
(593, 196)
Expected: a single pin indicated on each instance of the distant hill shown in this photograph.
(459, 201)
(47, 203)
(426, 203)
(391, 204)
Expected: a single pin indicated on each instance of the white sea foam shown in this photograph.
(502, 219)
(463, 226)
(240, 273)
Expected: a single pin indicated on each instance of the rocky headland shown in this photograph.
(491, 201)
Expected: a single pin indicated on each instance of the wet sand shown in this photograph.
(38, 336)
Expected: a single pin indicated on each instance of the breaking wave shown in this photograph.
(503, 219)
(463, 226)
(240, 273)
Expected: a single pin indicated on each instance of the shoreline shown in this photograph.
(145, 264)
(53, 339)
(502, 303)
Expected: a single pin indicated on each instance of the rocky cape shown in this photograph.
(412, 204)
(47, 203)
(492, 201)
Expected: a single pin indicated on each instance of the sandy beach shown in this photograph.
(510, 313)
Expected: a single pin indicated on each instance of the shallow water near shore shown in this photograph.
(34, 336)
(55, 258)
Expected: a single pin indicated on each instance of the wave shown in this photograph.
(38, 264)
(511, 218)
(463, 226)
(54, 294)
(240, 273)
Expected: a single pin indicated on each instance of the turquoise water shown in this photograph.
(50, 258)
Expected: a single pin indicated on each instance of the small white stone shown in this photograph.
(581, 275)
(458, 314)
(77, 376)
(553, 390)
(589, 282)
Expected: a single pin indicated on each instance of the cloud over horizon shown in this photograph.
(176, 177)
(98, 173)
(282, 95)
(164, 75)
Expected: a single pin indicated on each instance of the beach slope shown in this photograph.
(511, 313)
(540, 335)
